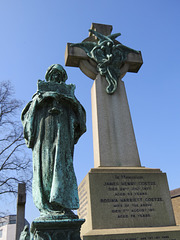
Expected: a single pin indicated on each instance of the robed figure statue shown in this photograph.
(53, 122)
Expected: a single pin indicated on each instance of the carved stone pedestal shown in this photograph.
(126, 203)
(66, 229)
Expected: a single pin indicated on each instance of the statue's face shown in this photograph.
(56, 76)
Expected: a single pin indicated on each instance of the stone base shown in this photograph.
(66, 229)
(124, 197)
(159, 233)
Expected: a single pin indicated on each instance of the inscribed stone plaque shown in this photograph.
(124, 199)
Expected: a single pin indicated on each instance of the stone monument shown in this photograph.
(21, 202)
(53, 122)
(119, 199)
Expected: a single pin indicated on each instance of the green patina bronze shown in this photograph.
(109, 56)
(25, 235)
(53, 122)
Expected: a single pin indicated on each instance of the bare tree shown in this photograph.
(15, 165)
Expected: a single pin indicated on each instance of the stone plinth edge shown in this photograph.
(125, 170)
(160, 233)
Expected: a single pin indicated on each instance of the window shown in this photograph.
(12, 221)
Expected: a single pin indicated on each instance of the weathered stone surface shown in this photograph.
(113, 135)
(125, 198)
(119, 199)
(104, 29)
(158, 233)
(21, 201)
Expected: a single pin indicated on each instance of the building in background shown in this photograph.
(175, 198)
(8, 227)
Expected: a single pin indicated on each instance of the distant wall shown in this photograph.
(175, 198)
(8, 227)
(11, 232)
(3, 230)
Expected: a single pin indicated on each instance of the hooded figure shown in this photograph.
(53, 122)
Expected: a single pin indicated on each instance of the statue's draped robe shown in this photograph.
(53, 123)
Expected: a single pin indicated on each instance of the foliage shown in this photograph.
(15, 165)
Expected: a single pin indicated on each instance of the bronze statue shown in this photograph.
(53, 122)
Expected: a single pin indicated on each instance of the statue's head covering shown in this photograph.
(56, 67)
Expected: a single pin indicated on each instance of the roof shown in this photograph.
(175, 193)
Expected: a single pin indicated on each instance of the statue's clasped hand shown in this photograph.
(54, 111)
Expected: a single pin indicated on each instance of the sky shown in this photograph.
(34, 35)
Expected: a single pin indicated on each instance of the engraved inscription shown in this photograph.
(126, 200)
(83, 200)
(131, 196)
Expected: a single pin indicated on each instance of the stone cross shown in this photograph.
(114, 141)
(21, 201)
